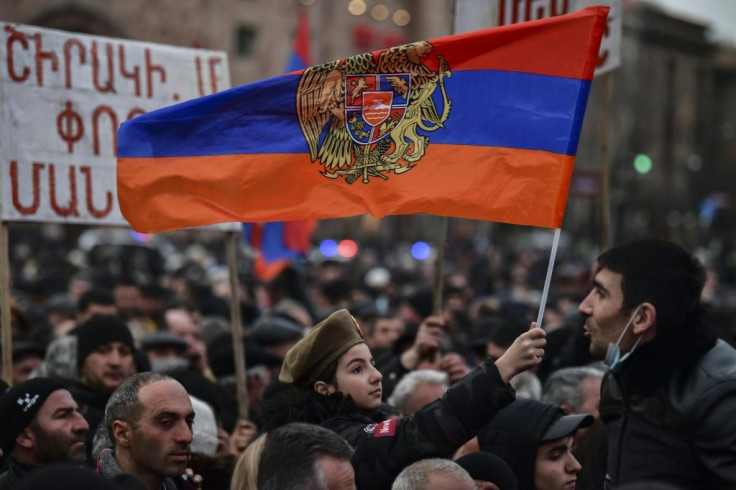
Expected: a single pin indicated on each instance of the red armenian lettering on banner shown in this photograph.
(63, 98)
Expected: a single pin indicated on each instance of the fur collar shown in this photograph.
(295, 405)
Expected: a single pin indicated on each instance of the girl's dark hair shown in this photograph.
(328, 374)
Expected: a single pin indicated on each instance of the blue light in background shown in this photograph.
(420, 251)
(328, 248)
(141, 237)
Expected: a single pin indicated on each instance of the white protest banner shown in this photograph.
(472, 15)
(63, 96)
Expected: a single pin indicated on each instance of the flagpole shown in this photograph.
(548, 279)
(236, 325)
(605, 210)
(5, 318)
(439, 265)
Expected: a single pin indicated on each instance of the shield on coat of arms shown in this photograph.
(374, 106)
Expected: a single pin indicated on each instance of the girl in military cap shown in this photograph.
(330, 379)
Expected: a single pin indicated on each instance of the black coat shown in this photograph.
(16, 473)
(670, 411)
(384, 446)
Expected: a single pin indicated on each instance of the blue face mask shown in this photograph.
(613, 355)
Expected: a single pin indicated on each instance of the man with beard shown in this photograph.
(149, 419)
(105, 360)
(668, 399)
(40, 425)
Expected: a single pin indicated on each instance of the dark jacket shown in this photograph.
(514, 436)
(92, 407)
(384, 446)
(16, 473)
(108, 467)
(670, 411)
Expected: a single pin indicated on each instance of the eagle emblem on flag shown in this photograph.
(361, 116)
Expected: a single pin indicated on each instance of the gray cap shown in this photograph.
(163, 339)
(273, 330)
(566, 425)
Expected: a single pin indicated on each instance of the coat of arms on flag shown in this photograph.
(361, 116)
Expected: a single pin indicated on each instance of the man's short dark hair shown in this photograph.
(124, 403)
(291, 456)
(661, 273)
(96, 297)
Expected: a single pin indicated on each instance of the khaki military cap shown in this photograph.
(324, 344)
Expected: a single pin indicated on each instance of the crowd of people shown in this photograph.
(124, 375)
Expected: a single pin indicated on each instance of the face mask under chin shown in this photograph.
(613, 355)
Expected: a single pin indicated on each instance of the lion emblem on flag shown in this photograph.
(361, 116)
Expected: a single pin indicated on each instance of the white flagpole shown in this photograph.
(548, 279)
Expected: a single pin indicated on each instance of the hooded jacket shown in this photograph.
(515, 433)
(383, 445)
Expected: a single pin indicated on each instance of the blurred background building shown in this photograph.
(671, 120)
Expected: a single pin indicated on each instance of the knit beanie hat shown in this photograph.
(19, 405)
(100, 330)
(324, 344)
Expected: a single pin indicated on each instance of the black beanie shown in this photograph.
(100, 330)
(19, 405)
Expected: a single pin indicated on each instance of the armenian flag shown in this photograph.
(481, 125)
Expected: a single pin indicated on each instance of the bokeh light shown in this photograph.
(421, 251)
(401, 17)
(347, 249)
(379, 12)
(642, 163)
(357, 7)
(141, 237)
(328, 248)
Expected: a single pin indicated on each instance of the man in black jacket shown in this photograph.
(669, 398)
(39, 425)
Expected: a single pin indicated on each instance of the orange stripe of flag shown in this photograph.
(527, 187)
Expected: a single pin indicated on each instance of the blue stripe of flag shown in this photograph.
(489, 108)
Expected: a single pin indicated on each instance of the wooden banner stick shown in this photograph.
(439, 266)
(5, 319)
(233, 238)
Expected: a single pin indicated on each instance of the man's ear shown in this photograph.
(646, 320)
(26, 439)
(121, 431)
(324, 388)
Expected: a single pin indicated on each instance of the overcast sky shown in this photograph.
(720, 15)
